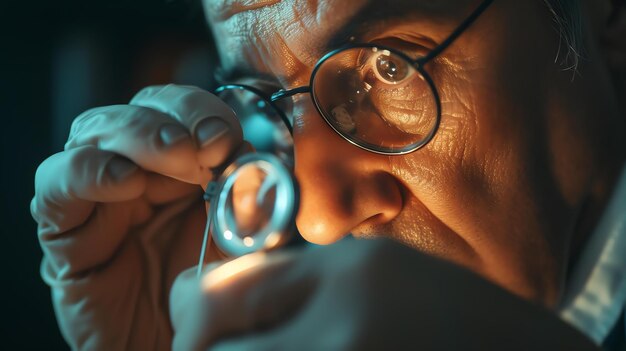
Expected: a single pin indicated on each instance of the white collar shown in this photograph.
(596, 293)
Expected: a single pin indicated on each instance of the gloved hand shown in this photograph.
(356, 295)
(120, 213)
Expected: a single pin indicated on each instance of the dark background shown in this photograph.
(59, 58)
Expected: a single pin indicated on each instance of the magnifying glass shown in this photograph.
(253, 203)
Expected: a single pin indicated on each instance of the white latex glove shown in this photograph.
(120, 213)
(356, 295)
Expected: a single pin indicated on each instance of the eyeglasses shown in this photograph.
(375, 97)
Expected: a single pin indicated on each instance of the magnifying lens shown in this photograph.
(253, 203)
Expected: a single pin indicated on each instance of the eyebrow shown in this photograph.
(371, 18)
(354, 29)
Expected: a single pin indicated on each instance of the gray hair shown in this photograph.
(567, 18)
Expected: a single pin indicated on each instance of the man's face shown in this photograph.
(500, 186)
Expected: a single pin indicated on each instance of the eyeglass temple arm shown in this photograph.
(281, 94)
(457, 32)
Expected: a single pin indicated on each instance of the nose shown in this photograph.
(343, 189)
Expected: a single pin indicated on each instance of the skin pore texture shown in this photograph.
(520, 167)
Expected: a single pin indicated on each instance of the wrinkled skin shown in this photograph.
(509, 187)
(523, 157)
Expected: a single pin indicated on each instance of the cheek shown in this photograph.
(484, 176)
(448, 160)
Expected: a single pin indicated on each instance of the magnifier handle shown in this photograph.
(212, 190)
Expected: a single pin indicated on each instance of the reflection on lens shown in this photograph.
(390, 69)
(261, 123)
(251, 201)
(343, 120)
(376, 98)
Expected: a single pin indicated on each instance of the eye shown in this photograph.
(391, 69)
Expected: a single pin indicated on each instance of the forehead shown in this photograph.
(285, 38)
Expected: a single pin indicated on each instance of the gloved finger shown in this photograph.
(244, 148)
(190, 311)
(241, 296)
(212, 123)
(251, 300)
(81, 201)
(161, 189)
(151, 139)
(69, 183)
(96, 241)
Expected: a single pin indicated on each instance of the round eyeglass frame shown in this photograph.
(417, 64)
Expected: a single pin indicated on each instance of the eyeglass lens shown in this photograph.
(262, 125)
(376, 99)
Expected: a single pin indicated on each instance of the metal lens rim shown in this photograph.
(284, 209)
(262, 95)
(417, 65)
